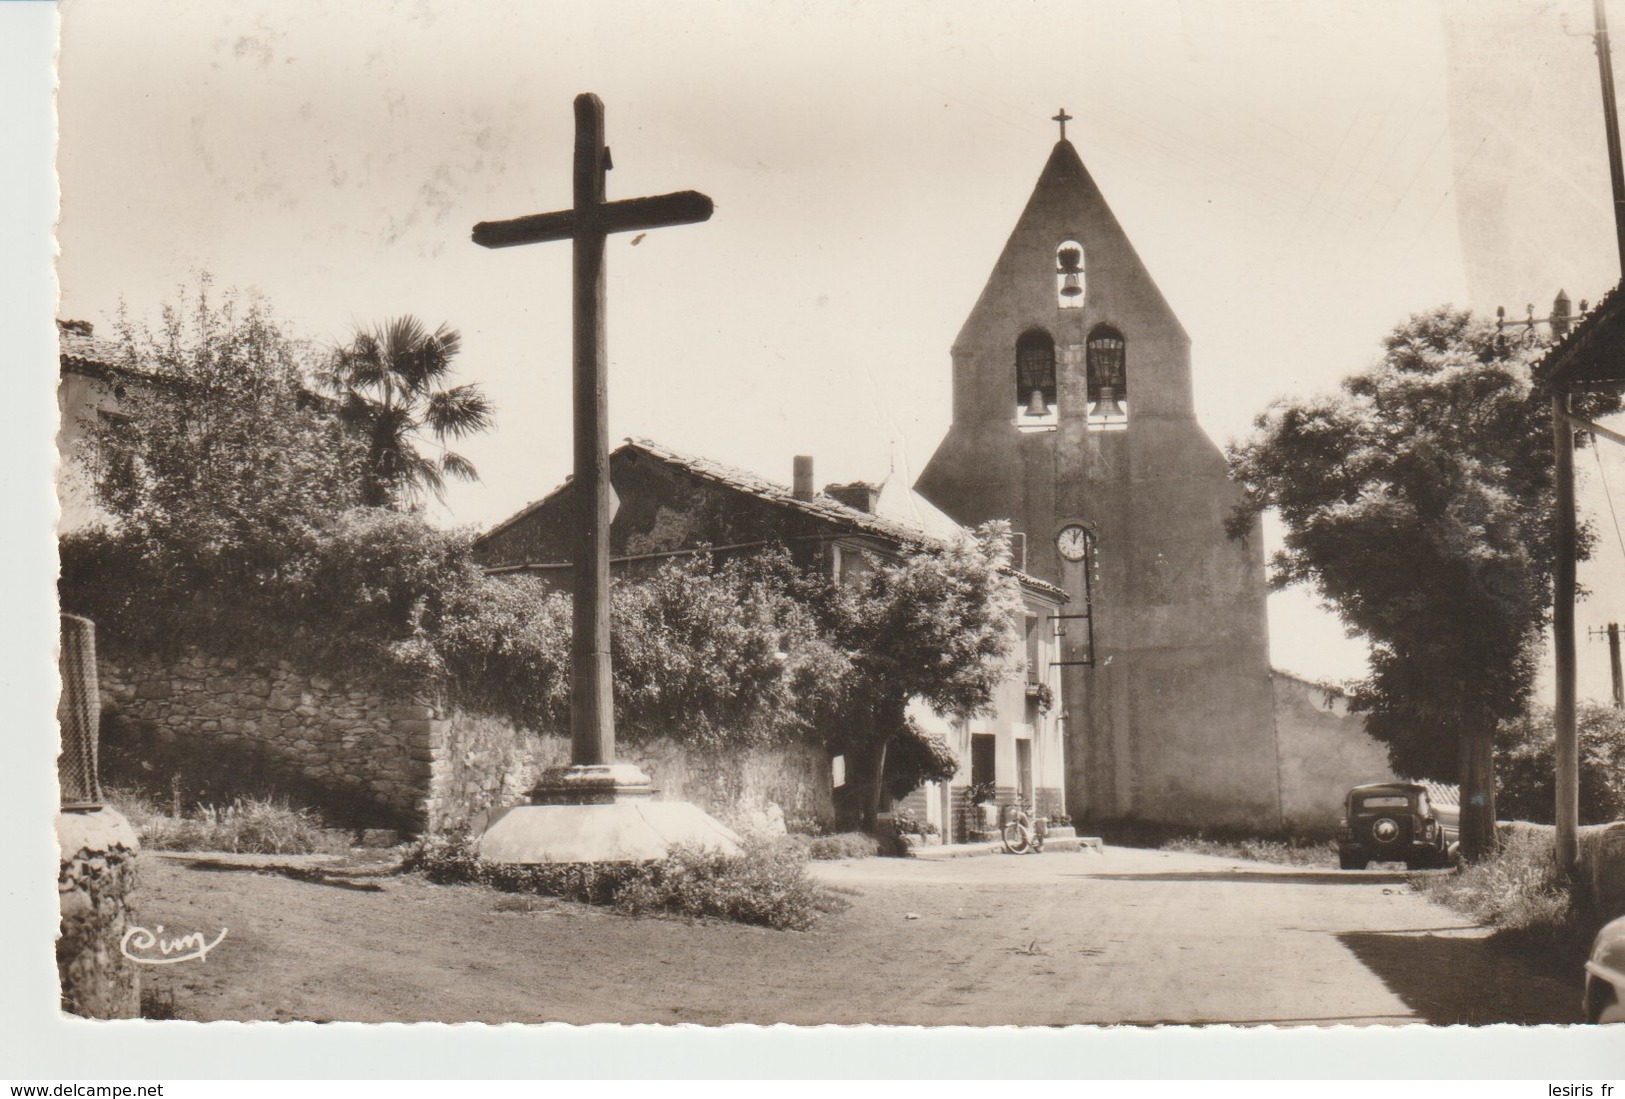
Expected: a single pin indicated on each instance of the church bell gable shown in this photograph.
(1067, 269)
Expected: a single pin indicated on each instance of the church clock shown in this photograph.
(1073, 542)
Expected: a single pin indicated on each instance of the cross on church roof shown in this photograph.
(1063, 118)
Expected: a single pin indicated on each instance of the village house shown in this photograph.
(672, 504)
(94, 382)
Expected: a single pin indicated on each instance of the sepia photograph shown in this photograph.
(1059, 514)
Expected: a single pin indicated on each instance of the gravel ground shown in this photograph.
(1128, 936)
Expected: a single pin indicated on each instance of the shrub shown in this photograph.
(1526, 775)
(766, 884)
(843, 845)
(250, 826)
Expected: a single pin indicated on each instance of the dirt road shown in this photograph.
(1066, 937)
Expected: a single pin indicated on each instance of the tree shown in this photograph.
(1526, 771)
(390, 386)
(937, 626)
(1419, 502)
(220, 455)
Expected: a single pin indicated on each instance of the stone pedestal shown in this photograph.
(593, 784)
(97, 873)
(599, 813)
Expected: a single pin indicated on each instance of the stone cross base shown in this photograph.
(592, 784)
(632, 830)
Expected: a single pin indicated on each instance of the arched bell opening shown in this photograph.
(1107, 361)
(1035, 381)
(1069, 277)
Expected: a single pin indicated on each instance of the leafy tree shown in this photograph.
(219, 456)
(389, 383)
(934, 626)
(1419, 501)
(1525, 786)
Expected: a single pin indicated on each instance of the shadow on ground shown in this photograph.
(1451, 980)
(313, 875)
(1258, 877)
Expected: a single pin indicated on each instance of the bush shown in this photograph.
(767, 884)
(249, 826)
(843, 845)
(1525, 774)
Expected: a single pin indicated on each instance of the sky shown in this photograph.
(1298, 177)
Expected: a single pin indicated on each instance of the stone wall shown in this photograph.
(370, 754)
(1601, 860)
(1323, 749)
(410, 764)
(96, 875)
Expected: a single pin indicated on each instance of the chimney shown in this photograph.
(803, 477)
(859, 495)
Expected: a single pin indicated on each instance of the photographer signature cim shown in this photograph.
(138, 945)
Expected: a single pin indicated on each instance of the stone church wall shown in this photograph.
(1324, 749)
(407, 764)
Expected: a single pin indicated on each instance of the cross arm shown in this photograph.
(678, 208)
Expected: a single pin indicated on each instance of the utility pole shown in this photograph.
(1610, 114)
(1612, 633)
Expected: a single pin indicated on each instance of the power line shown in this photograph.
(1597, 453)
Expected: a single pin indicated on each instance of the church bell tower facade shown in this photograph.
(1073, 419)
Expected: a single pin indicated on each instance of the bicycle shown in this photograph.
(1021, 833)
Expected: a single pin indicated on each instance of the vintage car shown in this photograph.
(1605, 976)
(1395, 822)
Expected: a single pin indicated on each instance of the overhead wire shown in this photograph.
(1609, 496)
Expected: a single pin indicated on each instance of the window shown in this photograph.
(1035, 381)
(1035, 674)
(1069, 283)
(1107, 357)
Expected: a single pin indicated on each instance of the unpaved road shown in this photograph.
(1067, 937)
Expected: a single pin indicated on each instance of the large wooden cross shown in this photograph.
(592, 715)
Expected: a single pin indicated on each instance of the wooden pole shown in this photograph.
(592, 727)
(585, 225)
(1614, 668)
(1610, 114)
(1563, 592)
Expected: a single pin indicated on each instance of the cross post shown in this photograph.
(1063, 118)
(590, 219)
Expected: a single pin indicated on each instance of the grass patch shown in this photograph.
(842, 845)
(246, 825)
(1520, 894)
(767, 885)
(1291, 852)
(1305, 851)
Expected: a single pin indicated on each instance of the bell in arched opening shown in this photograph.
(1035, 380)
(1069, 274)
(1108, 376)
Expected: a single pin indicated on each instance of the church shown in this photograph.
(1073, 418)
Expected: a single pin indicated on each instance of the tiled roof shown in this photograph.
(1589, 351)
(81, 350)
(820, 507)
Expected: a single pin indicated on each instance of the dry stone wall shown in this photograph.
(411, 764)
(371, 753)
(94, 880)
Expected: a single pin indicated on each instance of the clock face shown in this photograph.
(1073, 542)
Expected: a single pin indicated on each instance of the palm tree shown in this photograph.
(389, 385)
